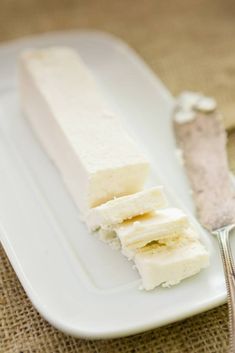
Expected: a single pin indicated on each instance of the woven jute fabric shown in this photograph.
(190, 45)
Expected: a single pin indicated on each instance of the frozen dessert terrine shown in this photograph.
(94, 154)
(104, 170)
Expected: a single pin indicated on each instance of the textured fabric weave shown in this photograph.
(190, 45)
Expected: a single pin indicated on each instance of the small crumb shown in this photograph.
(184, 116)
(206, 105)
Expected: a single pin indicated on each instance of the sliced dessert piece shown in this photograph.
(94, 154)
(141, 230)
(126, 207)
(168, 263)
(130, 253)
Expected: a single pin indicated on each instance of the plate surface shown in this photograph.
(77, 283)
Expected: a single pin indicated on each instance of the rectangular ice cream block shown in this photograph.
(141, 230)
(96, 157)
(169, 264)
(126, 207)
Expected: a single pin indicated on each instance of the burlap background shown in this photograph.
(190, 44)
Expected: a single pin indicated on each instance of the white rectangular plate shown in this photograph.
(77, 283)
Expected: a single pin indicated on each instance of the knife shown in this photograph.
(201, 137)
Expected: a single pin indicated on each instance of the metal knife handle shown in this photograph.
(227, 257)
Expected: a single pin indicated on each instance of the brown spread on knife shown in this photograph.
(202, 139)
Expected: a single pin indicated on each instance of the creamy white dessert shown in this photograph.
(103, 168)
(94, 154)
(126, 207)
(141, 230)
(168, 264)
(169, 240)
